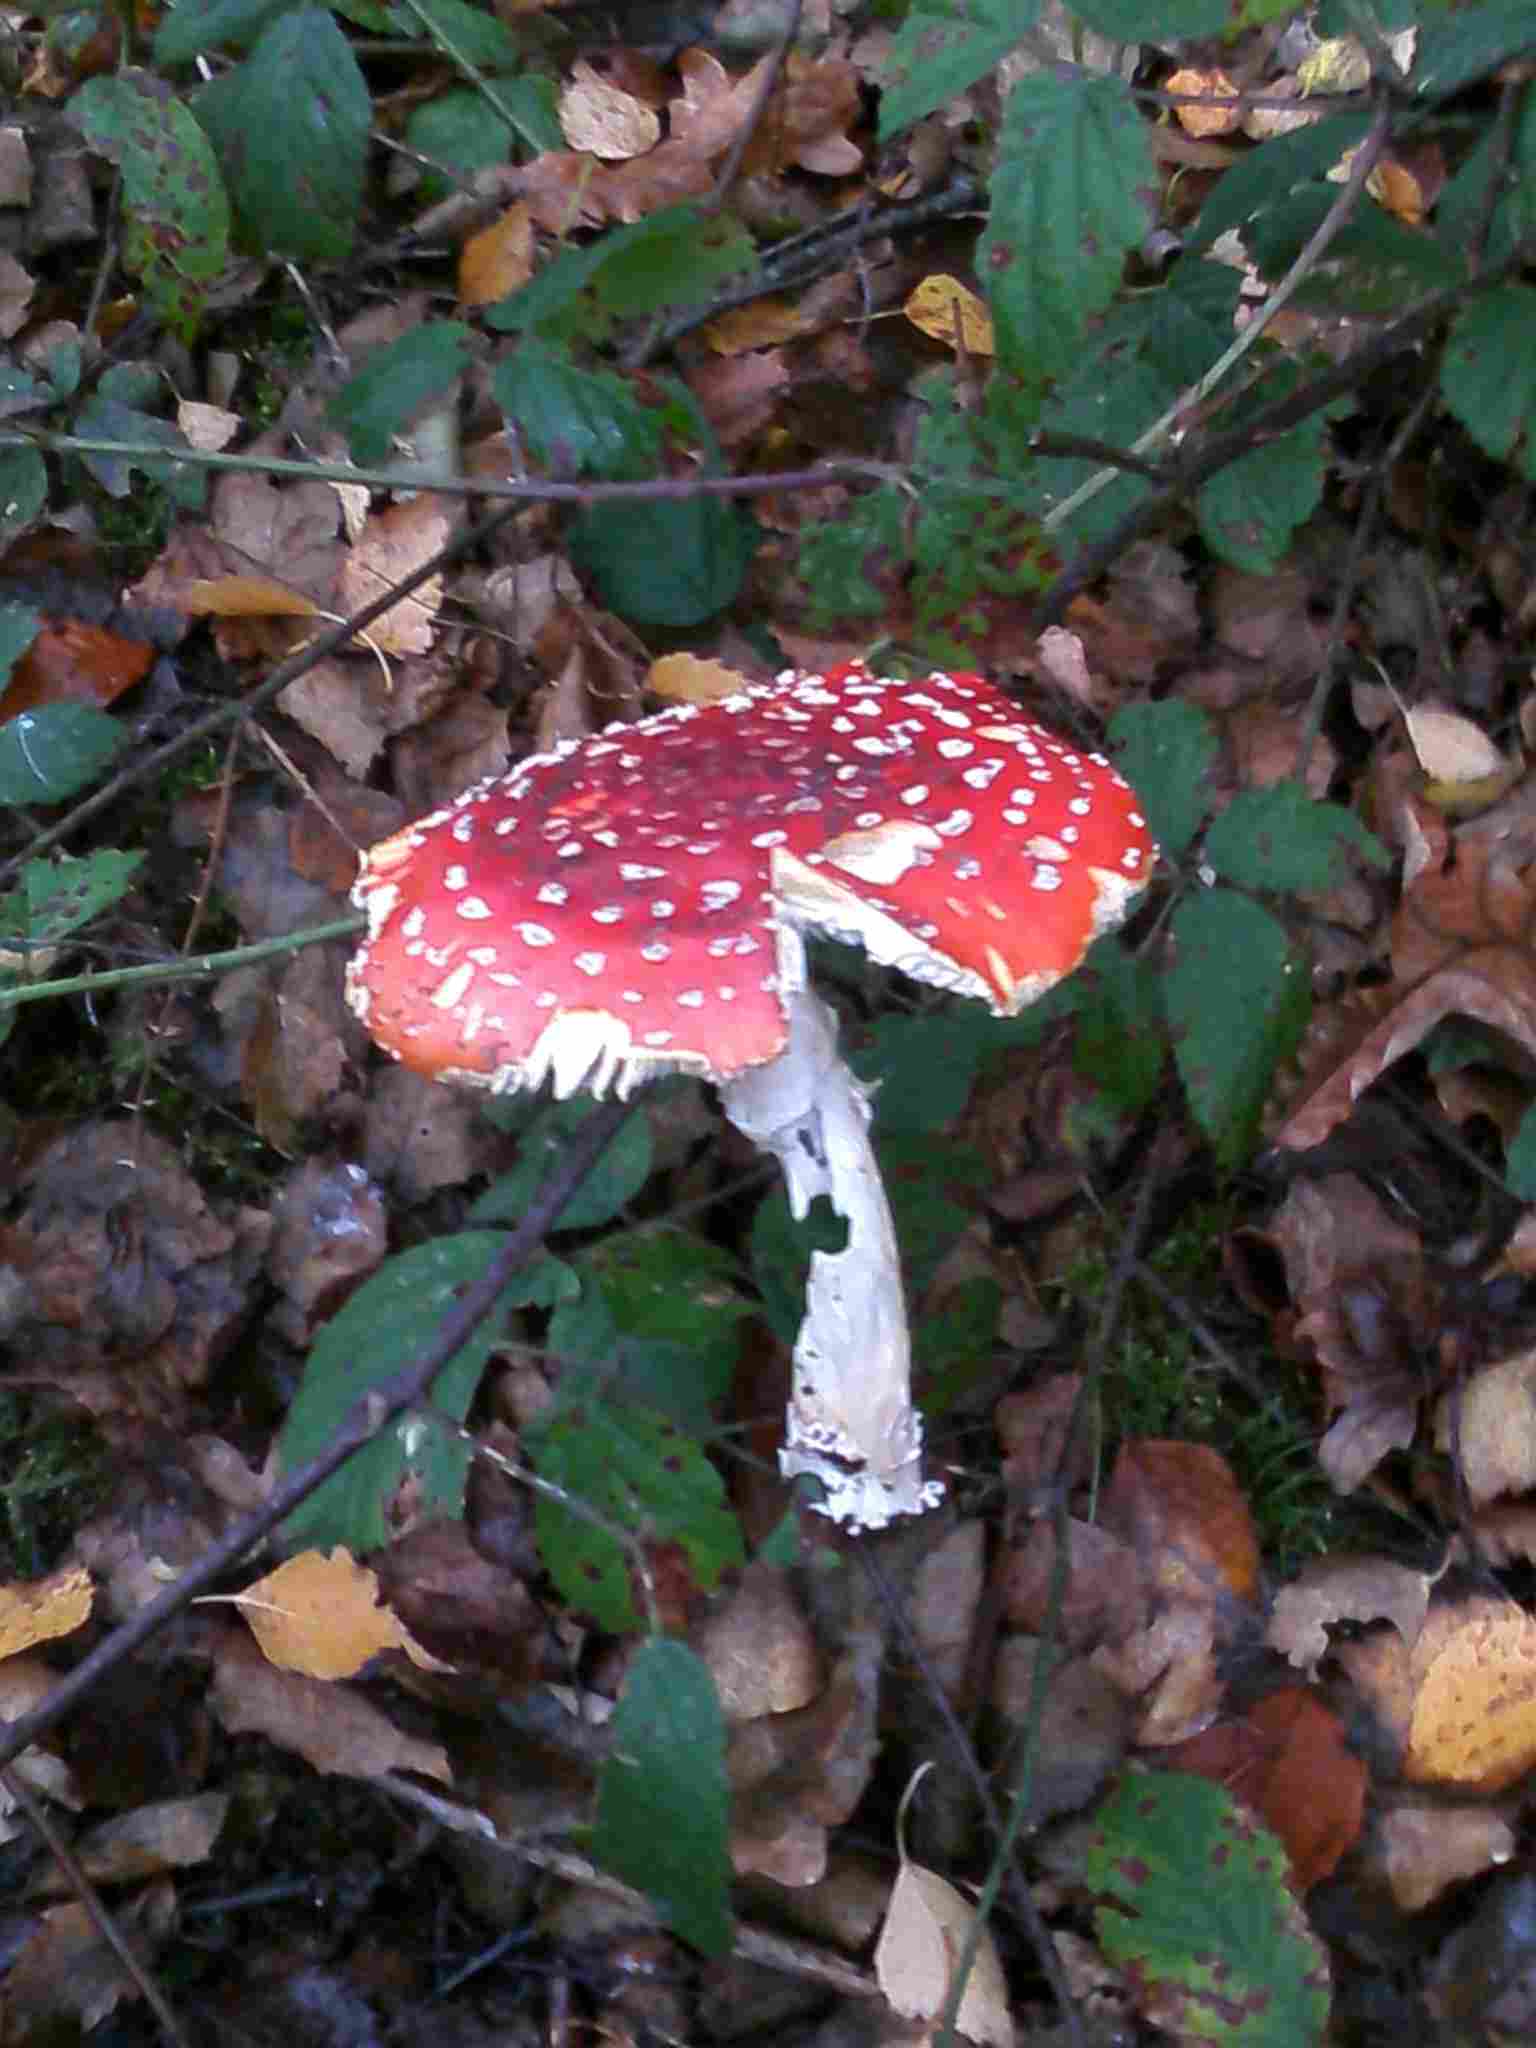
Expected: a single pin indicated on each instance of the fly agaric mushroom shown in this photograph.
(635, 903)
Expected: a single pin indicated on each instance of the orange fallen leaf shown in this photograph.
(499, 260)
(320, 1614)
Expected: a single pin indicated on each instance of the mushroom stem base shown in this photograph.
(851, 1421)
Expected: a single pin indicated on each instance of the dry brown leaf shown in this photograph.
(1355, 1589)
(319, 1613)
(761, 324)
(1421, 1850)
(16, 290)
(1213, 85)
(40, 1610)
(687, 679)
(1473, 1722)
(927, 1925)
(1263, 123)
(333, 1728)
(207, 427)
(601, 118)
(946, 310)
(1180, 1509)
(1491, 1423)
(168, 1834)
(244, 597)
(760, 1648)
(499, 260)
(395, 542)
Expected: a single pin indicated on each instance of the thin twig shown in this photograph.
(184, 967)
(69, 1864)
(360, 1425)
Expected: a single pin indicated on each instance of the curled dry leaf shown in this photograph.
(946, 310)
(331, 1727)
(687, 679)
(1489, 1424)
(1194, 119)
(927, 1926)
(499, 260)
(394, 543)
(1419, 1850)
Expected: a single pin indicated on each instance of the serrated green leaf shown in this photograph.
(1072, 157)
(291, 128)
(104, 417)
(463, 30)
(1520, 1160)
(922, 1068)
(1374, 263)
(1237, 1004)
(663, 1803)
(642, 1475)
(1119, 1043)
(615, 1180)
(838, 556)
(381, 1328)
(664, 562)
(1454, 51)
(175, 209)
(461, 131)
(56, 897)
(1265, 179)
(1488, 373)
(377, 404)
(1249, 511)
(575, 421)
(673, 1305)
(1166, 753)
(1492, 195)
(47, 755)
(1202, 1916)
(1134, 21)
(19, 627)
(941, 50)
(194, 28)
(1281, 838)
(675, 257)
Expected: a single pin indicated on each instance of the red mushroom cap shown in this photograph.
(631, 903)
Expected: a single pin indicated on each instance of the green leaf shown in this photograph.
(670, 1319)
(674, 257)
(1237, 1005)
(461, 131)
(941, 50)
(642, 1475)
(665, 562)
(23, 489)
(1497, 186)
(291, 127)
(1264, 179)
(781, 1249)
(381, 1328)
(1279, 838)
(663, 1805)
(394, 382)
(1166, 753)
(1135, 21)
(1249, 511)
(573, 420)
(1455, 50)
(466, 31)
(47, 755)
(56, 897)
(175, 210)
(1488, 373)
(194, 28)
(1072, 157)
(838, 557)
(21, 392)
(1119, 1044)
(617, 1178)
(19, 627)
(1202, 1917)
(923, 1068)
(1520, 1160)
(104, 417)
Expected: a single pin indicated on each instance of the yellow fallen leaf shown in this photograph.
(499, 260)
(38, 1610)
(948, 311)
(320, 1614)
(686, 679)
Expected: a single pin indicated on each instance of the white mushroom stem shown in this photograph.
(851, 1421)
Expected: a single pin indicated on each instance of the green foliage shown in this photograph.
(50, 754)
(631, 1475)
(291, 128)
(1280, 838)
(372, 407)
(663, 1803)
(54, 1471)
(941, 49)
(1199, 1911)
(1520, 1160)
(176, 226)
(1071, 156)
(1166, 752)
(1488, 373)
(544, 1130)
(375, 1335)
(56, 898)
